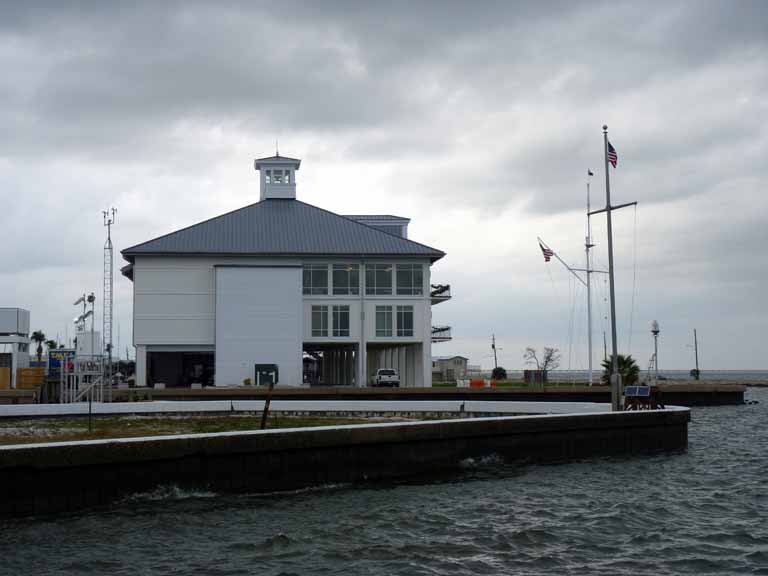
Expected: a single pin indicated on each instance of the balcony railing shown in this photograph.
(441, 333)
(440, 293)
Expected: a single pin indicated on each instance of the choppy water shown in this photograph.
(700, 512)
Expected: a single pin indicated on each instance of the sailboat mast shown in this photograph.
(615, 390)
(588, 245)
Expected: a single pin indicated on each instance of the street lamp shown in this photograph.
(655, 331)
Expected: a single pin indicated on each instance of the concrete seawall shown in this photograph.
(58, 477)
(675, 394)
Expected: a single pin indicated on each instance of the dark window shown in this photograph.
(341, 320)
(315, 279)
(346, 279)
(405, 320)
(384, 321)
(410, 279)
(378, 279)
(320, 321)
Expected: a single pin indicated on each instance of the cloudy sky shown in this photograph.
(476, 120)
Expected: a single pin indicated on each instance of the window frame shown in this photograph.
(349, 287)
(412, 287)
(402, 311)
(337, 312)
(372, 287)
(386, 330)
(322, 330)
(312, 289)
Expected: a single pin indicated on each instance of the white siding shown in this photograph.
(258, 321)
(174, 299)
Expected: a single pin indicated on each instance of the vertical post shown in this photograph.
(267, 400)
(493, 346)
(589, 286)
(362, 352)
(696, 352)
(615, 391)
(656, 357)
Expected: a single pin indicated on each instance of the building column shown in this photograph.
(402, 361)
(141, 366)
(426, 362)
(418, 371)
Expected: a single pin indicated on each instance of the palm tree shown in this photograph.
(51, 345)
(39, 337)
(628, 370)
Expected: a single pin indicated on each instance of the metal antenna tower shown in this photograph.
(109, 280)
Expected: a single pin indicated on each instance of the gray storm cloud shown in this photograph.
(463, 116)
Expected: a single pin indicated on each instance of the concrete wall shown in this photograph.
(47, 478)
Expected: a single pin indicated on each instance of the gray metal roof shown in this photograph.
(278, 159)
(377, 217)
(282, 227)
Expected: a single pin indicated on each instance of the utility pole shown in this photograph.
(614, 373)
(493, 347)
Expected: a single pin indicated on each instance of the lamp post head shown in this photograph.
(655, 328)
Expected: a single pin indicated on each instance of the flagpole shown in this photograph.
(615, 393)
(571, 270)
(589, 285)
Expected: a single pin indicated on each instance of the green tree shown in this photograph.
(696, 374)
(51, 344)
(499, 373)
(628, 370)
(39, 338)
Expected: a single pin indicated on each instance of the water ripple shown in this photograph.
(703, 511)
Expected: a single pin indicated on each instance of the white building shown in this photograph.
(14, 345)
(253, 291)
(449, 368)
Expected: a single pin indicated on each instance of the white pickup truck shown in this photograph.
(386, 377)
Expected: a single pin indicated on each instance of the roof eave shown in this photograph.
(434, 256)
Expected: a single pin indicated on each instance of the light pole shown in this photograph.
(655, 331)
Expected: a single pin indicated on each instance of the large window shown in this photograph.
(341, 320)
(378, 279)
(319, 321)
(315, 279)
(346, 279)
(410, 279)
(405, 320)
(383, 321)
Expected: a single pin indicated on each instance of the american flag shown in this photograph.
(547, 252)
(613, 158)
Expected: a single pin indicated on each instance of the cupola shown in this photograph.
(277, 177)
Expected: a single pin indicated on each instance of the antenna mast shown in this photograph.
(109, 220)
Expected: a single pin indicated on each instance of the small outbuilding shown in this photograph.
(14, 345)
